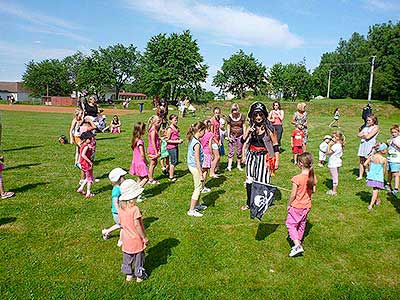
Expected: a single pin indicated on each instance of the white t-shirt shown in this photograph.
(323, 147)
(335, 159)
(393, 151)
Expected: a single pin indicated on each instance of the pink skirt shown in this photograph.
(207, 161)
(139, 168)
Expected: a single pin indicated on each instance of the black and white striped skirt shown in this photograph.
(257, 167)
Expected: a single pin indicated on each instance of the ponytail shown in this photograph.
(311, 179)
(306, 159)
(194, 128)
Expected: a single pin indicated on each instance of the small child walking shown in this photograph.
(336, 115)
(139, 161)
(164, 154)
(303, 185)
(3, 193)
(134, 239)
(206, 143)
(297, 141)
(86, 162)
(394, 160)
(154, 146)
(195, 157)
(375, 176)
(116, 176)
(335, 153)
(323, 148)
(173, 141)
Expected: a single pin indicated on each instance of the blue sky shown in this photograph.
(274, 31)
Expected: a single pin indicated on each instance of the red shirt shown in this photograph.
(215, 129)
(298, 138)
(84, 164)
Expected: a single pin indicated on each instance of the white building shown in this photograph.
(14, 89)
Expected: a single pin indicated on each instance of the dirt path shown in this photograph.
(60, 109)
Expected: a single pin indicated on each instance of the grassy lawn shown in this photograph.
(50, 236)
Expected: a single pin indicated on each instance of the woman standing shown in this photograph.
(263, 148)
(276, 116)
(235, 129)
(368, 137)
(300, 117)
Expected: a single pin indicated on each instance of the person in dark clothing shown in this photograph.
(366, 112)
(90, 107)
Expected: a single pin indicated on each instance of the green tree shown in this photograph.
(171, 65)
(73, 64)
(239, 73)
(50, 73)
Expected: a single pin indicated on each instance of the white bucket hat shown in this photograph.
(130, 190)
(116, 174)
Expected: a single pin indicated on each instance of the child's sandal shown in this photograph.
(89, 195)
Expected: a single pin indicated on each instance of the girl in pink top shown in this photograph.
(139, 161)
(134, 239)
(173, 140)
(216, 143)
(154, 147)
(276, 116)
(206, 142)
(303, 185)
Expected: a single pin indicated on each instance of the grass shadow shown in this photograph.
(278, 195)
(181, 173)
(264, 230)
(395, 202)
(106, 138)
(156, 189)
(7, 220)
(355, 171)
(212, 197)
(104, 176)
(105, 188)
(364, 196)
(23, 148)
(215, 182)
(158, 254)
(98, 161)
(148, 220)
(328, 183)
(23, 166)
(28, 187)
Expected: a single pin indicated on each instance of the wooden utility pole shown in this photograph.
(371, 78)
(329, 83)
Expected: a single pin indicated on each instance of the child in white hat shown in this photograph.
(134, 239)
(323, 147)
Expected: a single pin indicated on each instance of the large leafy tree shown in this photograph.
(172, 64)
(73, 64)
(239, 73)
(50, 73)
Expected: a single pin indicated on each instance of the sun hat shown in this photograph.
(327, 137)
(116, 174)
(130, 190)
(382, 147)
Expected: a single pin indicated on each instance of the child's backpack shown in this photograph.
(62, 139)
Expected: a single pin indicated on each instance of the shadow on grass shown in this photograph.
(309, 226)
(105, 188)
(264, 230)
(278, 195)
(355, 171)
(147, 221)
(23, 166)
(23, 148)
(181, 173)
(98, 161)
(104, 176)
(156, 189)
(158, 254)
(215, 182)
(364, 196)
(212, 197)
(28, 187)
(106, 138)
(395, 202)
(328, 183)
(7, 220)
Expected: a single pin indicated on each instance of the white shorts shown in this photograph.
(214, 146)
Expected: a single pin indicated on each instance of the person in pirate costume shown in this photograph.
(262, 156)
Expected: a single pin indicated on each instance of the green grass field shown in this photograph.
(50, 237)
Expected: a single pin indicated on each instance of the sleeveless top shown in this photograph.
(366, 146)
(302, 119)
(174, 136)
(277, 119)
(263, 140)
(375, 172)
(91, 110)
(191, 161)
(236, 125)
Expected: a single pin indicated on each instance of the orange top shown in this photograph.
(131, 241)
(303, 195)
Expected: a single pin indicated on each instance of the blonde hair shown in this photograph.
(152, 120)
(194, 128)
(127, 204)
(301, 106)
(340, 137)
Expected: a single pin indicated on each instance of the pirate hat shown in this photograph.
(257, 106)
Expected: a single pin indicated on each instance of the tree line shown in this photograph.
(171, 66)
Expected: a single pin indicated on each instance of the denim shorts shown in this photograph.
(173, 156)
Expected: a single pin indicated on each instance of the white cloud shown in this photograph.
(231, 25)
(383, 5)
(47, 24)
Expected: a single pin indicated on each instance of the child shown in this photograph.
(303, 185)
(375, 176)
(173, 141)
(323, 147)
(394, 159)
(215, 126)
(139, 161)
(195, 159)
(297, 141)
(222, 135)
(86, 162)
(115, 125)
(164, 155)
(154, 146)
(3, 193)
(134, 239)
(206, 142)
(336, 115)
(335, 153)
(116, 177)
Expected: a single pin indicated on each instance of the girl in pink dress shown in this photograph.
(154, 147)
(139, 161)
(206, 142)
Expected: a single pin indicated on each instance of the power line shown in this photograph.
(343, 64)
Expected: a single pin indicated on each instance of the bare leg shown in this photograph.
(143, 181)
(152, 165)
(171, 171)
(373, 198)
(214, 162)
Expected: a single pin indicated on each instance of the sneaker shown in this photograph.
(239, 168)
(154, 182)
(165, 171)
(194, 213)
(330, 192)
(229, 168)
(215, 176)
(119, 243)
(96, 180)
(395, 193)
(296, 250)
(6, 195)
(387, 187)
(200, 207)
(140, 199)
(205, 190)
(105, 234)
(129, 278)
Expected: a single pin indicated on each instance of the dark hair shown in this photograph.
(194, 128)
(172, 116)
(337, 108)
(138, 131)
(306, 159)
(276, 102)
(373, 118)
(215, 108)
